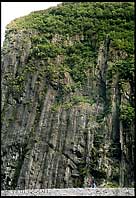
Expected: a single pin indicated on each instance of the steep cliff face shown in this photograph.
(68, 97)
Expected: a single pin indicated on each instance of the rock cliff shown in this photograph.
(68, 97)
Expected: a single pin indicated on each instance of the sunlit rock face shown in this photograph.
(68, 97)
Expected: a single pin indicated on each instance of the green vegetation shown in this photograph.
(125, 68)
(84, 99)
(15, 84)
(111, 185)
(45, 50)
(74, 100)
(127, 113)
(90, 21)
(75, 33)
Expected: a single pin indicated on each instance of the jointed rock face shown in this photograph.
(68, 97)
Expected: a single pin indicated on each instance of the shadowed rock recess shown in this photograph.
(68, 97)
